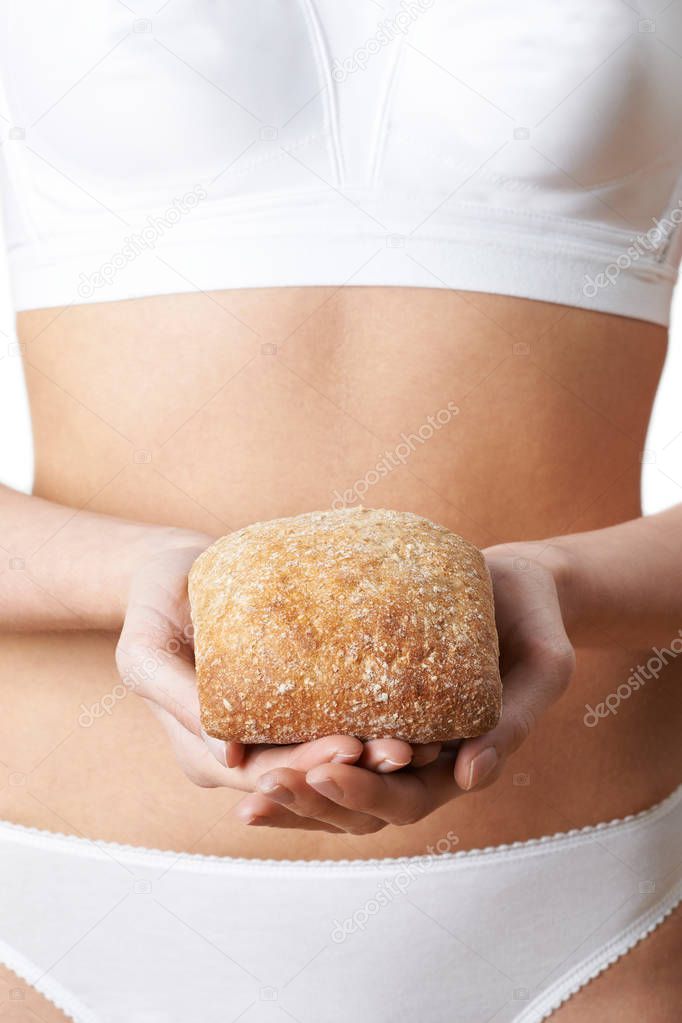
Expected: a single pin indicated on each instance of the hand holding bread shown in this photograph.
(362, 622)
(335, 782)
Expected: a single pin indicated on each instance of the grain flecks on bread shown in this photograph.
(358, 622)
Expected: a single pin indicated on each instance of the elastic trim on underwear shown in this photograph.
(553, 997)
(164, 859)
(50, 989)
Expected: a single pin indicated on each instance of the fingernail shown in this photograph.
(481, 766)
(390, 765)
(245, 816)
(344, 758)
(327, 787)
(233, 754)
(422, 760)
(255, 822)
(274, 790)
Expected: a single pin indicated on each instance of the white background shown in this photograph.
(662, 458)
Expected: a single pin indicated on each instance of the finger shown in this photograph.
(228, 754)
(256, 810)
(529, 689)
(425, 753)
(197, 762)
(343, 749)
(289, 788)
(205, 769)
(234, 753)
(385, 755)
(339, 749)
(401, 798)
(164, 678)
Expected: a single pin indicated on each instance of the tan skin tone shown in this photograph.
(553, 408)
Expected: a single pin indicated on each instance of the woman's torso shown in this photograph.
(215, 410)
(445, 145)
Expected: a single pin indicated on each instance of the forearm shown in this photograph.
(621, 586)
(63, 568)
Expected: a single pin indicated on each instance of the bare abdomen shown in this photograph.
(500, 418)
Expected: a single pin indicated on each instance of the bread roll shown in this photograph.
(355, 622)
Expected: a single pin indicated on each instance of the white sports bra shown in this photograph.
(530, 149)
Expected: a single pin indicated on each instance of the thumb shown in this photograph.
(529, 689)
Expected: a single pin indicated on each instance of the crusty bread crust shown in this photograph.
(356, 622)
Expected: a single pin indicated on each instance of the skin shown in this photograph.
(540, 466)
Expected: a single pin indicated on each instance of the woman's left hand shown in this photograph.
(537, 659)
(537, 662)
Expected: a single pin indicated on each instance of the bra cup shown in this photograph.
(205, 93)
(536, 111)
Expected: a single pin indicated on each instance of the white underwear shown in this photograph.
(117, 934)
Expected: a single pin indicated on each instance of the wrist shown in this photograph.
(157, 539)
(556, 557)
(564, 563)
(585, 587)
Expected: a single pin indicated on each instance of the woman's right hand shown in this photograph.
(155, 658)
